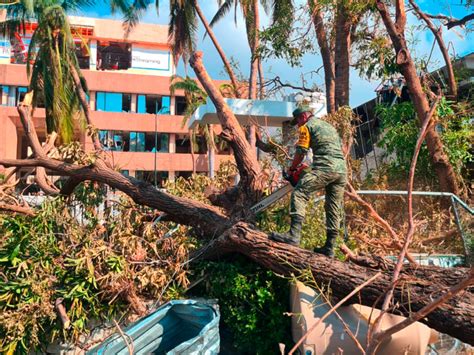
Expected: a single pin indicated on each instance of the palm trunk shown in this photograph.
(261, 79)
(328, 59)
(444, 170)
(228, 68)
(342, 53)
(85, 106)
(254, 60)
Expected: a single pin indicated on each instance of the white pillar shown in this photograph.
(93, 57)
(134, 103)
(172, 144)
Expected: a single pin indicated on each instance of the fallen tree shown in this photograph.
(412, 292)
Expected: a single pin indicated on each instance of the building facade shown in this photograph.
(140, 123)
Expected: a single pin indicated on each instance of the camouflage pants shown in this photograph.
(313, 181)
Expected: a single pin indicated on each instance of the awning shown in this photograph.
(263, 112)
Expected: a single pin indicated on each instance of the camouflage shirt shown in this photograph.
(325, 143)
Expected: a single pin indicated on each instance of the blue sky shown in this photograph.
(233, 39)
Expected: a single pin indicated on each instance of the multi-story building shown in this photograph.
(140, 123)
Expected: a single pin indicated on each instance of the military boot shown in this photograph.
(294, 235)
(328, 248)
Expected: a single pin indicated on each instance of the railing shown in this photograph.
(455, 202)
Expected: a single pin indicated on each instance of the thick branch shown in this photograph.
(400, 15)
(422, 313)
(17, 209)
(418, 284)
(205, 218)
(248, 166)
(85, 106)
(326, 54)
(24, 111)
(44, 183)
(444, 170)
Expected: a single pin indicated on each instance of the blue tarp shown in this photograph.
(178, 327)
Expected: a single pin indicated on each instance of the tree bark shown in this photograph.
(342, 53)
(452, 85)
(253, 49)
(261, 80)
(210, 32)
(419, 284)
(204, 218)
(81, 94)
(327, 56)
(247, 163)
(444, 170)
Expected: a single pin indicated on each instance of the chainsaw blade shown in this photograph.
(271, 199)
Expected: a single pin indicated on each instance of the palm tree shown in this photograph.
(195, 97)
(281, 10)
(52, 66)
(182, 28)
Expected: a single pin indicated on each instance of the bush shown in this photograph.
(401, 132)
(253, 302)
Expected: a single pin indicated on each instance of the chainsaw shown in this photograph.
(292, 177)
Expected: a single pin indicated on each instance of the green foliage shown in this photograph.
(283, 38)
(401, 133)
(51, 60)
(253, 302)
(99, 269)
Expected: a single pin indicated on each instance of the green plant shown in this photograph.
(401, 131)
(253, 302)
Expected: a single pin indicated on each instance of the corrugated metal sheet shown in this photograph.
(178, 327)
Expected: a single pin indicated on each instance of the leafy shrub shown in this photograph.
(253, 302)
(100, 270)
(401, 132)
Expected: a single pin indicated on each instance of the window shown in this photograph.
(5, 90)
(184, 174)
(113, 102)
(115, 140)
(183, 144)
(162, 142)
(134, 141)
(83, 55)
(153, 104)
(137, 141)
(180, 105)
(149, 176)
(114, 55)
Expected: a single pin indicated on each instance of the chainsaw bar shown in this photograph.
(271, 199)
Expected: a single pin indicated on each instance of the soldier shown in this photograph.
(328, 171)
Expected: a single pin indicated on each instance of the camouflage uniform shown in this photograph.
(328, 171)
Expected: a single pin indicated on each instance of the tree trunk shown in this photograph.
(249, 168)
(452, 85)
(85, 106)
(342, 53)
(253, 49)
(441, 164)
(419, 286)
(327, 56)
(210, 32)
(261, 79)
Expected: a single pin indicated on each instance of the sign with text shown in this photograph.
(150, 59)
